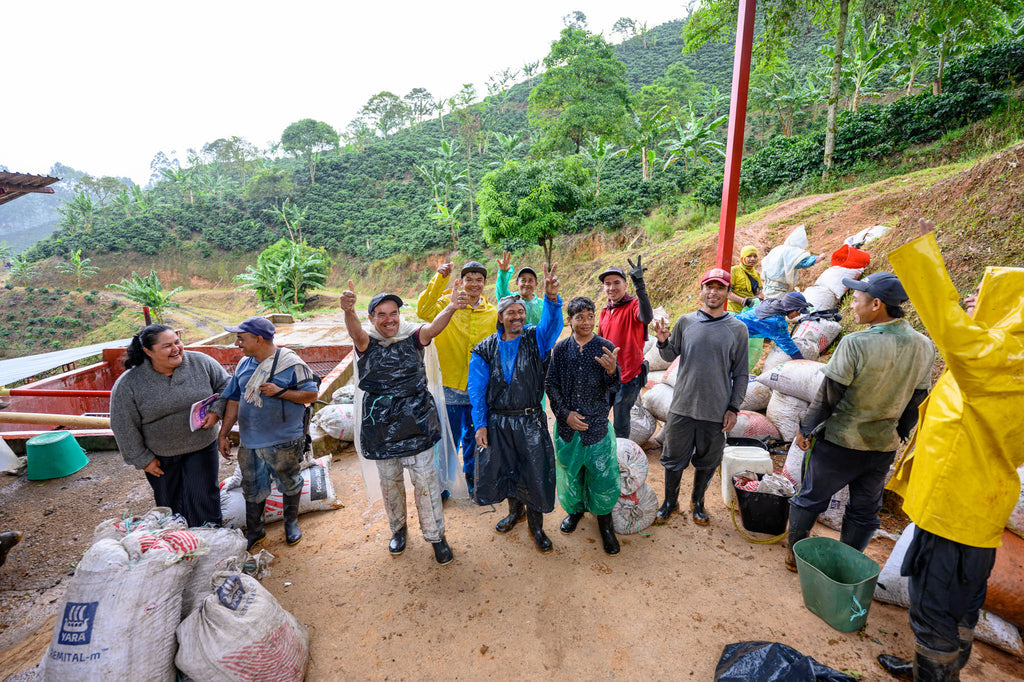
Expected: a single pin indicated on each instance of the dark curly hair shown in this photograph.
(145, 339)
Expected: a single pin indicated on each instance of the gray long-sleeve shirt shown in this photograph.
(712, 374)
(149, 411)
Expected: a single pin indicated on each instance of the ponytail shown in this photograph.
(135, 354)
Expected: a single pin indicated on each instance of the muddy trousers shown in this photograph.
(189, 485)
(426, 487)
(947, 588)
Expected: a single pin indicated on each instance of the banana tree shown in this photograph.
(147, 291)
(78, 266)
(646, 132)
(869, 55)
(695, 140)
(599, 152)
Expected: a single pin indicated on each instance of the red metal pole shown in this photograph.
(737, 121)
(54, 393)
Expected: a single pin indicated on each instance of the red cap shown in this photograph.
(716, 275)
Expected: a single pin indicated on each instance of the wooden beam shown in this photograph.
(8, 188)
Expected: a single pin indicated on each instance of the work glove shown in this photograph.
(636, 272)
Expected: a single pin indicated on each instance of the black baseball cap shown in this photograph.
(612, 270)
(884, 286)
(527, 268)
(258, 326)
(473, 266)
(380, 298)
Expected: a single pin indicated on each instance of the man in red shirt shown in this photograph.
(624, 321)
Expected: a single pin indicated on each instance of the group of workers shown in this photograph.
(498, 362)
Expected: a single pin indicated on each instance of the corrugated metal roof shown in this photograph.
(14, 185)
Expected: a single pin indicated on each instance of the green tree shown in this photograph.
(694, 139)
(22, 271)
(273, 184)
(868, 55)
(599, 152)
(147, 291)
(420, 104)
(79, 213)
(77, 266)
(531, 202)
(625, 27)
(583, 92)
(644, 140)
(386, 112)
(285, 272)
(358, 133)
(307, 139)
(506, 147)
(913, 55)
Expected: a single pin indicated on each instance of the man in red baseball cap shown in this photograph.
(711, 382)
(624, 321)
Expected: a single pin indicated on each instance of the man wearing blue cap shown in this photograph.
(770, 320)
(267, 396)
(867, 404)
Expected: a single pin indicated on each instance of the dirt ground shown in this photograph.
(663, 609)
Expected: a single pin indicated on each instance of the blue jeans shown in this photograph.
(624, 401)
(282, 461)
(460, 419)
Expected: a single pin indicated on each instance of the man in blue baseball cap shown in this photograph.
(866, 406)
(267, 396)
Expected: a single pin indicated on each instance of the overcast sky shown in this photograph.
(103, 86)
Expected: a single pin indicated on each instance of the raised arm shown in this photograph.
(360, 339)
(429, 303)
(551, 323)
(644, 313)
(501, 289)
(458, 302)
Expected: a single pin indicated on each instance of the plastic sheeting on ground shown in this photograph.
(748, 661)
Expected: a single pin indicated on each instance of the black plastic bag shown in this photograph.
(772, 662)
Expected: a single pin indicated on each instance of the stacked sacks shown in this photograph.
(122, 607)
(757, 396)
(785, 411)
(641, 425)
(657, 401)
(820, 332)
(317, 494)
(638, 502)
(242, 633)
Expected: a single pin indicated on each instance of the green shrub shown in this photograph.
(43, 290)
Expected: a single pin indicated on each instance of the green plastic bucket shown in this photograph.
(54, 454)
(837, 581)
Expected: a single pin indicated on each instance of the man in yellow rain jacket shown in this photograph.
(959, 481)
(468, 327)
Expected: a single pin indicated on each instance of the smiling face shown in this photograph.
(714, 295)
(386, 319)
(866, 308)
(582, 323)
(166, 353)
(614, 287)
(473, 284)
(527, 284)
(249, 343)
(513, 319)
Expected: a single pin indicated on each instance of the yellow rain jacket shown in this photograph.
(467, 328)
(958, 479)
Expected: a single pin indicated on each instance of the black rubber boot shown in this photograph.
(856, 535)
(899, 668)
(469, 483)
(397, 544)
(935, 666)
(516, 513)
(671, 504)
(701, 481)
(535, 520)
(8, 540)
(801, 521)
(442, 552)
(291, 519)
(254, 532)
(966, 644)
(570, 522)
(611, 543)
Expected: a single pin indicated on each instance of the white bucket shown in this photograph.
(739, 458)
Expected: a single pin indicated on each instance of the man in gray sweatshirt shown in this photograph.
(711, 382)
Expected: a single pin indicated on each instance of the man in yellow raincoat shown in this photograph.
(958, 480)
(467, 328)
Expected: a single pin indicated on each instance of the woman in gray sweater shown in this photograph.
(149, 415)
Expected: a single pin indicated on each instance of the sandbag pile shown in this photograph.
(892, 588)
(642, 425)
(638, 502)
(317, 495)
(130, 592)
(337, 420)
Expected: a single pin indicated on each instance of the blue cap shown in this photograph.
(258, 326)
